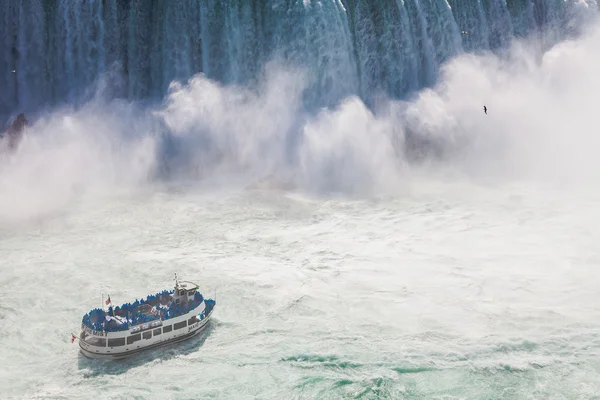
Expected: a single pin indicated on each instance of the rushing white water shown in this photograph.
(540, 126)
(52, 50)
(451, 291)
(420, 249)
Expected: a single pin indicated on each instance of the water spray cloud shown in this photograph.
(541, 120)
(540, 125)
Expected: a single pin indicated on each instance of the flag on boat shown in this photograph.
(107, 302)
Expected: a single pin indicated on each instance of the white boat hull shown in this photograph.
(174, 336)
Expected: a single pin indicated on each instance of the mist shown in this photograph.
(540, 127)
(69, 155)
(540, 124)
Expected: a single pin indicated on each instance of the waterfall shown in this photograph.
(52, 51)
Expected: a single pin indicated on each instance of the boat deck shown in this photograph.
(160, 306)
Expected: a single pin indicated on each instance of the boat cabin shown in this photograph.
(184, 292)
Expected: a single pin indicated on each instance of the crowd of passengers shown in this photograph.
(158, 304)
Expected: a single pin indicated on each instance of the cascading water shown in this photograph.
(52, 50)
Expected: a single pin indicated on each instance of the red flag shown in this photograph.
(107, 302)
(73, 337)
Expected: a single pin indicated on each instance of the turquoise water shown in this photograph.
(469, 294)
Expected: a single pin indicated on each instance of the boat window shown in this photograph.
(156, 332)
(167, 328)
(116, 342)
(95, 341)
(180, 325)
(134, 338)
(193, 320)
(147, 335)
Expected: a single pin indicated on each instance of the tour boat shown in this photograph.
(166, 317)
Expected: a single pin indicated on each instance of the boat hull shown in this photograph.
(104, 354)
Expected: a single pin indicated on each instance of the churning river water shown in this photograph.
(449, 291)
